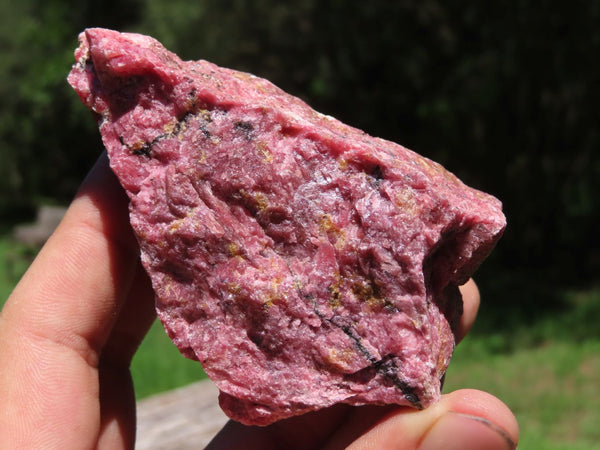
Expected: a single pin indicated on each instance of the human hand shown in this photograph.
(69, 330)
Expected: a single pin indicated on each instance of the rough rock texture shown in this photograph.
(301, 261)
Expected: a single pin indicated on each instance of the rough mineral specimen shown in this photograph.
(301, 261)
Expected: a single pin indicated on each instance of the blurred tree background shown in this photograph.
(504, 94)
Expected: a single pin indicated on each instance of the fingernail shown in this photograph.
(463, 431)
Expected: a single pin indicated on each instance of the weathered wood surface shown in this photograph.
(182, 419)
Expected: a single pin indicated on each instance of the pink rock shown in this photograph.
(301, 261)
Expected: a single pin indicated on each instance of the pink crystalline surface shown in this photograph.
(301, 261)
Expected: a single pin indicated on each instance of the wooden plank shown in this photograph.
(182, 419)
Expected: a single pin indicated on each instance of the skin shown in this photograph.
(70, 328)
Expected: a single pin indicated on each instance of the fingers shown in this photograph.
(471, 300)
(74, 289)
(463, 419)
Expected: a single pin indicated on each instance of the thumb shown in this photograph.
(462, 419)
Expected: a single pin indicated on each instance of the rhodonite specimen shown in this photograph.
(301, 261)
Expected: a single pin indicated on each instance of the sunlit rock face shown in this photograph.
(303, 262)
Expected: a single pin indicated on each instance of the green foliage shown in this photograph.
(14, 260)
(550, 388)
(158, 366)
(47, 139)
(544, 368)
